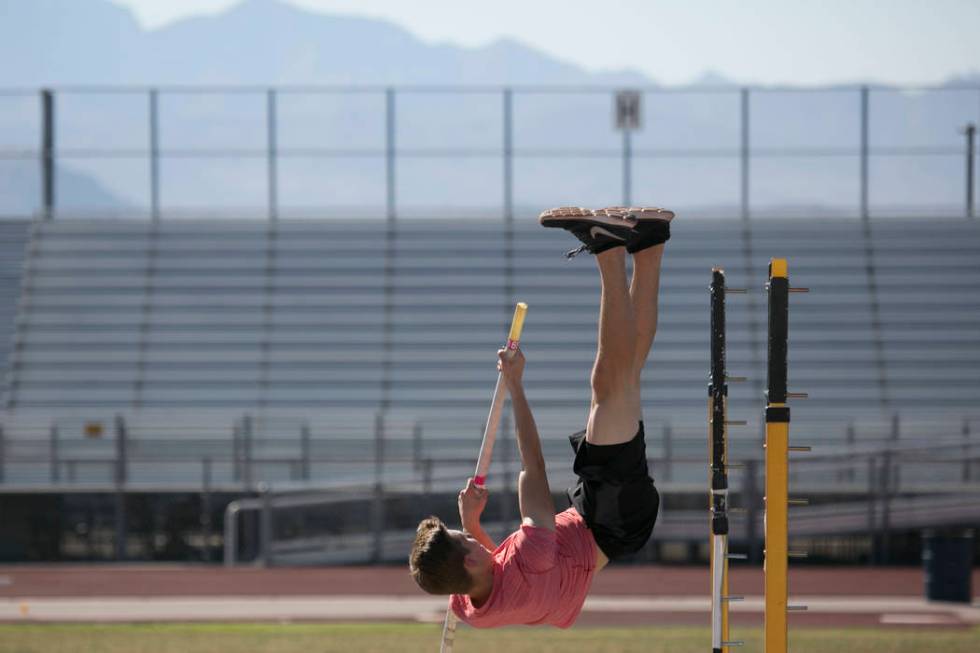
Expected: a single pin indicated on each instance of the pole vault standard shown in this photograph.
(486, 449)
(777, 462)
(718, 466)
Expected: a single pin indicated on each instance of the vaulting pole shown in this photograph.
(486, 448)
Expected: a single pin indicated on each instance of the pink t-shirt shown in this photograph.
(539, 577)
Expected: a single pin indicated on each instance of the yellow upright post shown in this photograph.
(777, 461)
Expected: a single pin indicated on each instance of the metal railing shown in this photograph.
(868, 480)
(676, 130)
(293, 454)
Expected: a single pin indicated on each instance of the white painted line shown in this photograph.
(339, 608)
(919, 620)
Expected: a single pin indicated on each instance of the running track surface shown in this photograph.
(646, 595)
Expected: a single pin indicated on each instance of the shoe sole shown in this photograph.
(640, 213)
(564, 216)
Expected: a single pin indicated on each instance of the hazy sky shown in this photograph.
(749, 41)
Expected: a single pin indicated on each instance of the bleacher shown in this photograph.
(311, 323)
(13, 240)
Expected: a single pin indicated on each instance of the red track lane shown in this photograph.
(179, 580)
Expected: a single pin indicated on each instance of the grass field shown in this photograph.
(387, 638)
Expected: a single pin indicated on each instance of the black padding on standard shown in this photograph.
(719, 525)
(777, 414)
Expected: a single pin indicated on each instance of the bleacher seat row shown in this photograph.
(243, 314)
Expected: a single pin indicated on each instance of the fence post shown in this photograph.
(154, 158)
(53, 453)
(246, 446)
(265, 526)
(508, 154)
(967, 451)
(206, 507)
(236, 451)
(894, 471)
(272, 155)
(390, 152)
(865, 117)
(121, 450)
(305, 447)
(121, 528)
(427, 483)
(47, 153)
(377, 514)
(971, 132)
(417, 445)
(745, 153)
(885, 484)
(873, 557)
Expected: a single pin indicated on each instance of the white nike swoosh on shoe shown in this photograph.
(599, 230)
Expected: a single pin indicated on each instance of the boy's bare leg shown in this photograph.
(615, 413)
(644, 294)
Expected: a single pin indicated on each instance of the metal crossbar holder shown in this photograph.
(800, 448)
(799, 290)
(798, 502)
(736, 511)
(734, 465)
(733, 598)
(738, 556)
(797, 395)
(798, 554)
(736, 422)
(736, 379)
(797, 608)
(734, 642)
(736, 291)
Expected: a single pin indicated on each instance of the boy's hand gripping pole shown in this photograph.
(486, 449)
(497, 404)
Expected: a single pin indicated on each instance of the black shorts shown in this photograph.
(615, 494)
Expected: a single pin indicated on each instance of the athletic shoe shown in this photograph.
(597, 232)
(652, 225)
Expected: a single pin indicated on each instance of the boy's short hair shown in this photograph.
(437, 560)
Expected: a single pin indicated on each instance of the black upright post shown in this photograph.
(47, 153)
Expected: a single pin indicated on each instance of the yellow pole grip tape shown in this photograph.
(517, 325)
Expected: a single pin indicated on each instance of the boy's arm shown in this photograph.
(471, 501)
(533, 491)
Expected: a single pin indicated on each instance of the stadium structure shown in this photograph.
(290, 391)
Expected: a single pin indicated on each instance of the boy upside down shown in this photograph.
(541, 573)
